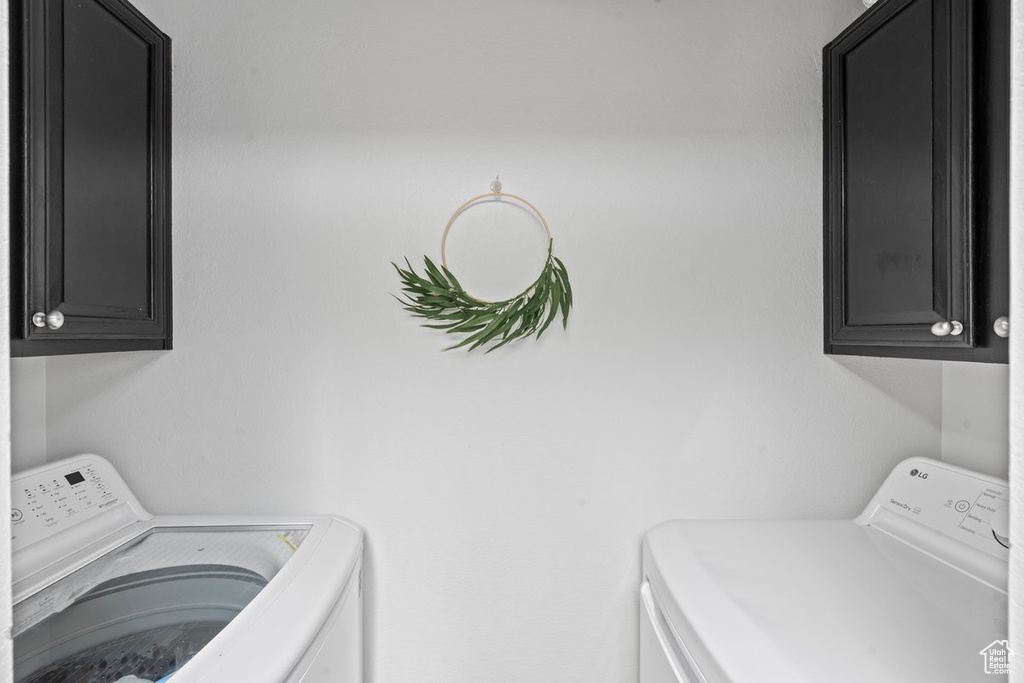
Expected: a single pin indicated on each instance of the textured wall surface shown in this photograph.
(5, 354)
(1017, 341)
(28, 413)
(675, 148)
(975, 408)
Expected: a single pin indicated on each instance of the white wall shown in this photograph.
(675, 148)
(28, 413)
(5, 354)
(1017, 340)
(975, 407)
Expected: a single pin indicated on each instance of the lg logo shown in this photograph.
(918, 473)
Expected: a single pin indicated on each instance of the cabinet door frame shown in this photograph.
(37, 161)
(953, 228)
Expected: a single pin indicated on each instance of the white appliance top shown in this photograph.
(89, 562)
(61, 507)
(914, 590)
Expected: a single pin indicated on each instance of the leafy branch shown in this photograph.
(438, 297)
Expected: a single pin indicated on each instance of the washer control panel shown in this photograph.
(47, 500)
(968, 506)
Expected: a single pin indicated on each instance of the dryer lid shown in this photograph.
(819, 600)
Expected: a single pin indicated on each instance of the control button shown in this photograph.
(16, 515)
(962, 506)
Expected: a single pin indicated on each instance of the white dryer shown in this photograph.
(914, 589)
(103, 591)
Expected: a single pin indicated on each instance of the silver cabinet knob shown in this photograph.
(54, 319)
(946, 328)
(1001, 326)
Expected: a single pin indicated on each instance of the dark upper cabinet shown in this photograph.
(916, 123)
(91, 97)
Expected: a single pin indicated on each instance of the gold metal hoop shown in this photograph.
(489, 195)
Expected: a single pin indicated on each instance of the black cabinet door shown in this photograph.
(991, 169)
(904, 225)
(92, 86)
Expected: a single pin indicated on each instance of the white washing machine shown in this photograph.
(105, 592)
(914, 589)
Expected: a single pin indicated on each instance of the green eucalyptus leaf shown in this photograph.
(452, 279)
(438, 297)
(552, 308)
(565, 280)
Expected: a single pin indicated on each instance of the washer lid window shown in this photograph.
(147, 607)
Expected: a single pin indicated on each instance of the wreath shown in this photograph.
(438, 297)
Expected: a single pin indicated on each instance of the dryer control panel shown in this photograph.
(968, 506)
(54, 498)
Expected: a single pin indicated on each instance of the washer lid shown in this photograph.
(261, 550)
(148, 624)
(818, 600)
